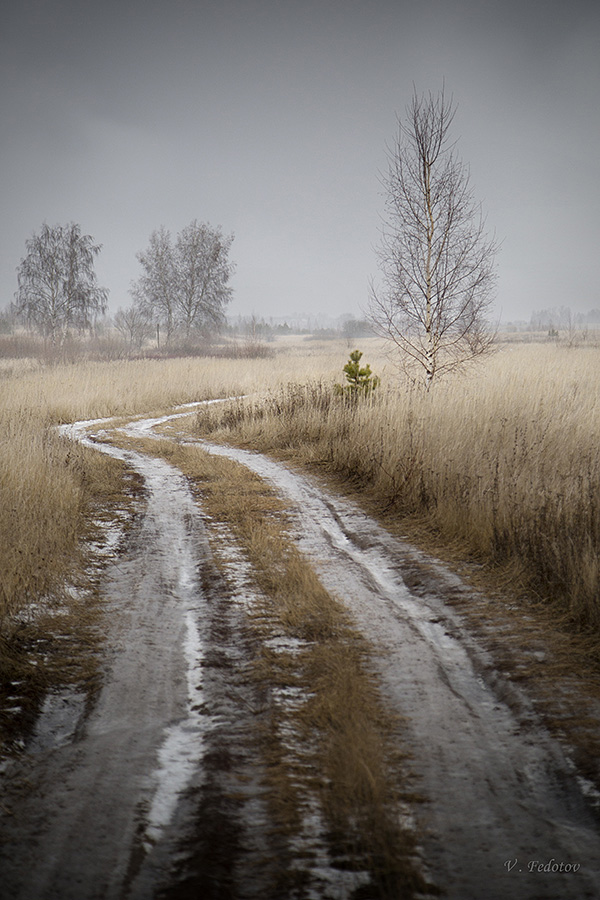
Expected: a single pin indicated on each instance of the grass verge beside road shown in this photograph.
(504, 466)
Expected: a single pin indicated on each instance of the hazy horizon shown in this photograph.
(271, 120)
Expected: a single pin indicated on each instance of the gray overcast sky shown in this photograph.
(271, 119)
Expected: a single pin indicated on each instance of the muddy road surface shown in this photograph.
(157, 789)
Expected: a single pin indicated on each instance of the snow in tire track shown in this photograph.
(109, 798)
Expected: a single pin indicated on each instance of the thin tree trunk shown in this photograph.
(430, 352)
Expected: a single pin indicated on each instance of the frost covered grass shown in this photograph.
(503, 461)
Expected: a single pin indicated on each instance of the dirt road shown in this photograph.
(503, 805)
(110, 802)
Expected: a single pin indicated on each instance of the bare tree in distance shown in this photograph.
(436, 259)
(203, 270)
(184, 285)
(58, 288)
(134, 326)
(154, 291)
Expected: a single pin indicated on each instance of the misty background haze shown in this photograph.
(271, 119)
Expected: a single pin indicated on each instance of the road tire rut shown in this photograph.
(160, 791)
(130, 808)
(498, 788)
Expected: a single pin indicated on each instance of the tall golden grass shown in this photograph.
(504, 460)
(48, 486)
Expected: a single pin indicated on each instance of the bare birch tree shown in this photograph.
(203, 270)
(184, 284)
(436, 259)
(58, 288)
(154, 291)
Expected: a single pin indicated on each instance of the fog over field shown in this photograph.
(271, 120)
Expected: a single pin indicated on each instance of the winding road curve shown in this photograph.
(106, 810)
(502, 801)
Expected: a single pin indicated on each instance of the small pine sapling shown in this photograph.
(361, 381)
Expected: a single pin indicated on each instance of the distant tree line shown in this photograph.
(562, 318)
(179, 298)
(255, 328)
(182, 292)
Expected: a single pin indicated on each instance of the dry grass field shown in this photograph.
(502, 460)
(48, 486)
(498, 466)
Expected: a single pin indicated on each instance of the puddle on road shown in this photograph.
(58, 720)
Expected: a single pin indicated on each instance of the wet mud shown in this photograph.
(498, 788)
(156, 788)
(157, 791)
